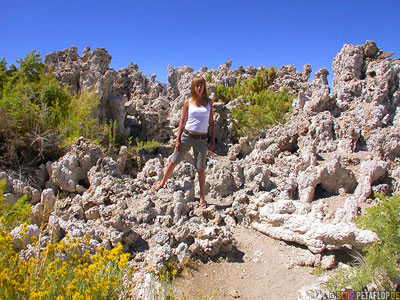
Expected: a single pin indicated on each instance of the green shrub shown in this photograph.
(30, 67)
(260, 111)
(208, 78)
(262, 81)
(258, 108)
(142, 146)
(11, 217)
(111, 141)
(81, 120)
(380, 267)
(3, 75)
(38, 117)
(41, 104)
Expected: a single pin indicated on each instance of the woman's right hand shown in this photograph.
(178, 145)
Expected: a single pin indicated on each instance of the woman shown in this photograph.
(197, 119)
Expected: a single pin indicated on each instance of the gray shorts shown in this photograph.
(199, 151)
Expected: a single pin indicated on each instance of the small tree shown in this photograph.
(3, 75)
(31, 67)
(260, 111)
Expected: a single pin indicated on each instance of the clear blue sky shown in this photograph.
(155, 33)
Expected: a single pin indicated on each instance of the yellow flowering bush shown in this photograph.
(166, 277)
(61, 271)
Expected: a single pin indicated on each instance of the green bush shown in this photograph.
(208, 78)
(31, 67)
(81, 120)
(379, 267)
(142, 146)
(261, 82)
(12, 216)
(260, 111)
(3, 75)
(38, 117)
(258, 108)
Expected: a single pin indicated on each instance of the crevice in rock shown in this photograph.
(361, 144)
(363, 71)
(297, 245)
(84, 182)
(141, 245)
(321, 193)
(107, 201)
(347, 256)
(294, 149)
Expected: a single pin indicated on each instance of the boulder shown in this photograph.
(72, 168)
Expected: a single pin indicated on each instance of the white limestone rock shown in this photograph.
(370, 171)
(72, 168)
(22, 236)
(212, 240)
(313, 292)
(334, 176)
(307, 182)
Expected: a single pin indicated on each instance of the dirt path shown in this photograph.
(262, 273)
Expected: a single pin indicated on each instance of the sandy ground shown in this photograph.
(259, 271)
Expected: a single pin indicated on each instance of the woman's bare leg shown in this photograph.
(202, 183)
(167, 175)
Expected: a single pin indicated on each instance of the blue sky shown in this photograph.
(156, 33)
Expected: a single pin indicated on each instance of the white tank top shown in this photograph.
(198, 118)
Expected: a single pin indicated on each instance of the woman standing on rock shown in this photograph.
(197, 119)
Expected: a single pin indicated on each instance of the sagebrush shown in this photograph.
(378, 267)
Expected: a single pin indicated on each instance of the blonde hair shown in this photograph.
(196, 81)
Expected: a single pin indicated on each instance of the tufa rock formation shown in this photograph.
(304, 181)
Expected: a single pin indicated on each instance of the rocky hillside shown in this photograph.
(302, 182)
